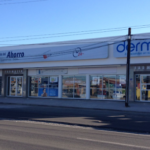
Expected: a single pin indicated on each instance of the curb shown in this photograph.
(109, 109)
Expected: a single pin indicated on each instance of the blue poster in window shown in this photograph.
(43, 92)
(53, 92)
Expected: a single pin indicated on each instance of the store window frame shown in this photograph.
(73, 87)
(37, 76)
(8, 85)
(0, 85)
(139, 73)
(16, 92)
(102, 75)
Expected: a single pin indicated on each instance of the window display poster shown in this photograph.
(43, 92)
(53, 79)
(95, 80)
(53, 92)
(122, 79)
(46, 92)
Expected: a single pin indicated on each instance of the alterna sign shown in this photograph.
(138, 48)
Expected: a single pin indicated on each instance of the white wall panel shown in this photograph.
(98, 71)
(73, 71)
(31, 72)
(121, 70)
(47, 71)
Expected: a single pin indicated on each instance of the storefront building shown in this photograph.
(93, 69)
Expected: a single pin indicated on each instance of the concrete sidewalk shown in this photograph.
(76, 103)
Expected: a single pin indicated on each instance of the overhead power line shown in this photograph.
(47, 37)
(82, 32)
(9, 3)
(74, 33)
(111, 39)
(69, 51)
(4, 0)
(147, 37)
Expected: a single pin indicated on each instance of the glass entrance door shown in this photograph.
(16, 87)
(142, 87)
(145, 87)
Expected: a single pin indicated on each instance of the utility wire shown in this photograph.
(87, 49)
(86, 31)
(65, 52)
(74, 42)
(4, 0)
(68, 42)
(54, 36)
(20, 2)
(71, 34)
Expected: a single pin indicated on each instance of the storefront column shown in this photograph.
(3, 92)
(25, 83)
(87, 86)
(60, 87)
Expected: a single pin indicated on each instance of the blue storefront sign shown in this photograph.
(138, 48)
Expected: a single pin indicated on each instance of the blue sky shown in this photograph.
(61, 16)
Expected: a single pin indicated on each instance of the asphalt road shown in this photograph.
(98, 119)
(31, 135)
(51, 128)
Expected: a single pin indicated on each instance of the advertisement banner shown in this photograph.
(57, 53)
(138, 48)
(53, 79)
(48, 92)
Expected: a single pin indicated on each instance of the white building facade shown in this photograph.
(93, 69)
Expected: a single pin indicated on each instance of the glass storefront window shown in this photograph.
(96, 81)
(43, 82)
(53, 82)
(96, 93)
(34, 82)
(108, 87)
(33, 91)
(109, 81)
(145, 79)
(142, 87)
(80, 92)
(138, 87)
(119, 94)
(79, 81)
(121, 81)
(0, 84)
(108, 93)
(120, 87)
(67, 82)
(43, 86)
(146, 95)
(101, 86)
(74, 86)
(67, 92)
